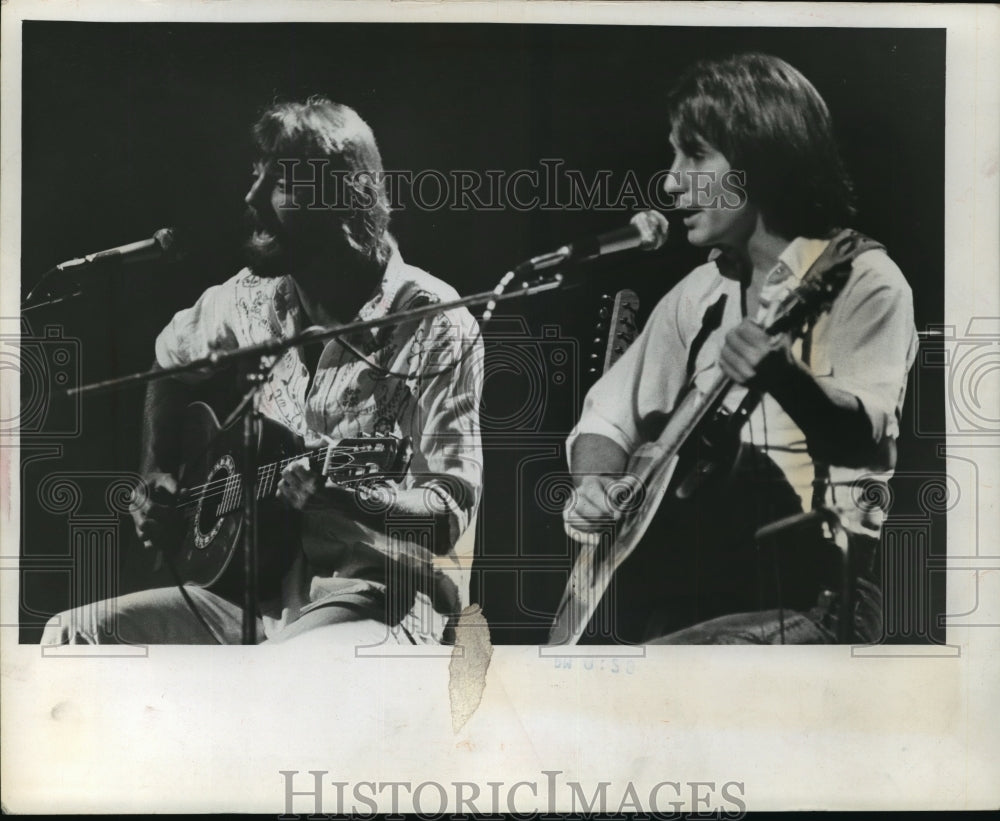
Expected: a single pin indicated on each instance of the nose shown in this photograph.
(676, 178)
(256, 192)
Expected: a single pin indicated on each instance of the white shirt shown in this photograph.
(865, 345)
(439, 413)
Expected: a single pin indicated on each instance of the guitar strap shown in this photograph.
(710, 322)
(843, 249)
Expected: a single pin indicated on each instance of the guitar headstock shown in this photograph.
(368, 458)
(814, 295)
(616, 329)
(821, 283)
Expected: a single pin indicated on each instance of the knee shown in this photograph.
(333, 632)
(96, 623)
(76, 626)
(55, 631)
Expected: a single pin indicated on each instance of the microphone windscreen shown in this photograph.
(166, 238)
(653, 228)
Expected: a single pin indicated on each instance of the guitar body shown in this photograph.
(651, 470)
(210, 551)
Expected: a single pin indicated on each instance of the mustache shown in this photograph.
(256, 221)
(265, 254)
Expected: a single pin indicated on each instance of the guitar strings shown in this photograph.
(237, 489)
(200, 491)
(189, 509)
(264, 469)
(226, 483)
(232, 483)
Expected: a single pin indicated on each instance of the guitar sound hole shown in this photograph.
(220, 495)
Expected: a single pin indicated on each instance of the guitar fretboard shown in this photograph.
(227, 491)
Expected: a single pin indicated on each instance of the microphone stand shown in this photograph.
(834, 534)
(55, 301)
(251, 445)
(28, 305)
(217, 361)
(249, 406)
(162, 243)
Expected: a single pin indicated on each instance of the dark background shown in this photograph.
(131, 127)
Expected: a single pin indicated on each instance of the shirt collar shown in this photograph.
(385, 295)
(801, 253)
(798, 256)
(287, 310)
(728, 265)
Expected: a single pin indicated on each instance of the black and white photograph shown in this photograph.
(493, 369)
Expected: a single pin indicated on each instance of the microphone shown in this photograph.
(162, 245)
(646, 230)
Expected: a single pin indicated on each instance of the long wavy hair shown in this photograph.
(769, 121)
(319, 128)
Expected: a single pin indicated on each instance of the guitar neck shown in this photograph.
(268, 475)
(230, 487)
(348, 472)
(690, 412)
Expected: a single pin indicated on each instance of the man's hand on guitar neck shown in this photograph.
(356, 510)
(753, 357)
(834, 421)
(303, 488)
(300, 486)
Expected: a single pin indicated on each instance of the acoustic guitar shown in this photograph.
(211, 498)
(698, 417)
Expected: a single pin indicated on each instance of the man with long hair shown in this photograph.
(758, 180)
(320, 255)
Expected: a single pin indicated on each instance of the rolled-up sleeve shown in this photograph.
(645, 380)
(872, 341)
(196, 332)
(444, 420)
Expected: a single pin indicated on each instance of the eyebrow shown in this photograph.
(692, 142)
(267, 169)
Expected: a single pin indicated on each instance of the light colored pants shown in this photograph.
(817, 625)
(162, 616)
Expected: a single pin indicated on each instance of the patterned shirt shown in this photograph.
(865, 346)
(436, 405)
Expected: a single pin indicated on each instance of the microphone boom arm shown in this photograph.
(217, 361)
(647, 230)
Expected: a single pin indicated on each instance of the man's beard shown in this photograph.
(265, 250)
(270, 251)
